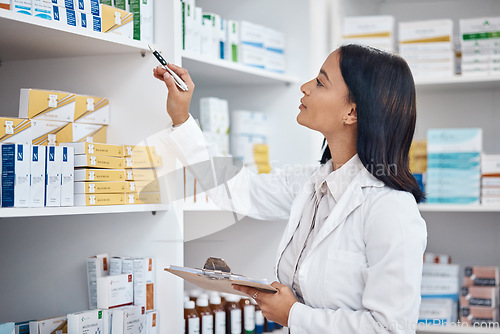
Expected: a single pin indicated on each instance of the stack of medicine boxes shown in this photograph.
(480, 40)
(479, 296)
(114, 174)
(490, 179)
(439, 293)
(375, 31)
(453, 166)
(247, 129)
(427, 46)
(214, 121)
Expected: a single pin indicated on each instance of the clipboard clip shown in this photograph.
(216, 268)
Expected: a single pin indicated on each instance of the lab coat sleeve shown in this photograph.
(263, 196)
(395, 236)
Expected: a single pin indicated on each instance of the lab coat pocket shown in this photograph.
(344, 282)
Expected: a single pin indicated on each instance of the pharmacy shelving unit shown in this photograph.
(44, 249)
(469, 233)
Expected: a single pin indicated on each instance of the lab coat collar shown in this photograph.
(350, 200)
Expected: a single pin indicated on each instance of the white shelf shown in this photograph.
(79, 210)
(217, 72)
(26, 37)
(458, 82)
(457, 208)
(456, 329)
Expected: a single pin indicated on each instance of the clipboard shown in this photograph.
(217, 276)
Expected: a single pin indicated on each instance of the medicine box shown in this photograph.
(144, 283)
(440, 270)
(233, 41)
(22, 327)
(486, 296)
(89, 6)
(477, 316)
(97, 266)
(15, 163)
(140, 174)
(47, 105)
(7, 328)
(143, 161)
(92, 133)
(49, 326)
(153, 322)
(67, 176)
(252, 56)
(143, 186)
(480, 276)
(53, 172)
(129, 150)
(128, 320)
(97, 149)
(5, 4)
(99, 199)
(70, 4)
(143, 198)
(88, 174)
(91, 110)
(50, 132)
(86, 322)
(431, 31)
(440, 286)
(121, 265)
(115, 291)
(379, 26)
(106, 187)
(65, 16)
(436, 311)
(143, 19)
(21, 6)
(15, 130)
(490, 164)
(42, 9)
(98, 161)
(89, 21)
(37, 176)
(121, 4)
(117, 21)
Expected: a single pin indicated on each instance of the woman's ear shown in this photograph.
(352, 116)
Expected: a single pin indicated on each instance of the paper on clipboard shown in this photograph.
(218, 281)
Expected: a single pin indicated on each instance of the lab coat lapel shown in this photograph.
(350, 200)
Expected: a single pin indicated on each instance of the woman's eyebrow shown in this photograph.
(322, 71)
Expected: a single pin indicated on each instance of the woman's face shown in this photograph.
(324, 104)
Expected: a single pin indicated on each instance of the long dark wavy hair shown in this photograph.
(381, 85)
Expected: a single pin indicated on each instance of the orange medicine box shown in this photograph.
(479, 296)
(96, 161)
(97, 149)
(143, 198)
(99, 199)
(89, 174)
(480, 276)
(106, 187)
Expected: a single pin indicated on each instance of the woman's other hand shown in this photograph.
(177, 100)
(275, 306)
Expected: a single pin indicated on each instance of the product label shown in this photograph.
(249, 314)
(193, 326)
(207, 324)
(220, 323)
(235, 321)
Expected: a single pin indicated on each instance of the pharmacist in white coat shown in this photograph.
(350, 259)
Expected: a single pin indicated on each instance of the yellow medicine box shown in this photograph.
(107, 187)
(91, 110)
(15, 130)
(129, 150)
(143, 186)
(99, 199)
(97, 149)
(92, 133)
(50, 132)
(47, 105)
(96, 161)
(143, 198)
(117, 21)
(143, 161)
(86, 174)
(140, 174)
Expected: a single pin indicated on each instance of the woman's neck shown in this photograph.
(341, 151)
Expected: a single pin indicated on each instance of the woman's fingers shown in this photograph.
(245, 289)
(183, 74)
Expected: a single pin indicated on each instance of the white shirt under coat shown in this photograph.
(362, 270)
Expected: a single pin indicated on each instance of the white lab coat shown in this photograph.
(363, 271)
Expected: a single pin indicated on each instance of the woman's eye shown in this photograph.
(318, 82)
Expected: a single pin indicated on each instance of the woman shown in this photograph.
(350, 260)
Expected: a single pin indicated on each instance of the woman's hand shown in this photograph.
(275, 306)
(177, 100)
